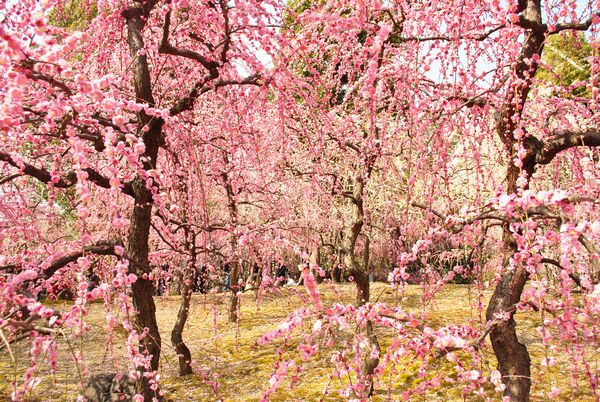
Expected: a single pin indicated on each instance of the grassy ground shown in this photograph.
(230, 355)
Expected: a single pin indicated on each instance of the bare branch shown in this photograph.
(576, 26)
(36, 76)
(551, 261)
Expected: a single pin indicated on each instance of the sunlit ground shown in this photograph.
(229, 354)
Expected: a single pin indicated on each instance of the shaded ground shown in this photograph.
(229, 355)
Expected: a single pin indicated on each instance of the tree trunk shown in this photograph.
(175, 285)
(336, 273)
(360, 272)
(183, 352)
(143, 289)
(513, 358)
(234, 275)
(350, 235)
(139, 225)
(315, 259)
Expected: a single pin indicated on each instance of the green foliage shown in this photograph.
(568, 55)
(295, 8)
(63, 198)
(74, 15)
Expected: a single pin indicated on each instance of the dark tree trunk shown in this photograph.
(143, 289)
(183, 352)
(370, 364)
(350, 236)
(360, 271)
(234, 276)
(315, 258)
(513, 358)
(336, 274)
(139, 226)
(234, 273)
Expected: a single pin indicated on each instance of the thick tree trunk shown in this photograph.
(350, 236)
(175, 285)
(513, 358)
(234, 273)
(139, 225)
(336, 273)
(143, 289)
(371, 363)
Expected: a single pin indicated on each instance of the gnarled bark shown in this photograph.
(360, 271)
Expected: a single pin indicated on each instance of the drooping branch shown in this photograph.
(577, 26)
(395, 38)
(9, 178)
(555, 263)
(540, 27)
(457, 227)
(37, 76)
(99, 248)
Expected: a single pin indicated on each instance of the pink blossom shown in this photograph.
(24, 276)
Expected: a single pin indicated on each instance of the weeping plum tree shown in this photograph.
(92, 109)
(449, 95)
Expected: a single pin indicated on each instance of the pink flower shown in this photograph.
(513, 17)
(119, 250)
(139, 148)
(27, 275)
(119, 120)
(311, 286)
(554, 392)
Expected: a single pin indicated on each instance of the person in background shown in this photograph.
(282, 274)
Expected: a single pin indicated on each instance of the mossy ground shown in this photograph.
(229, 353)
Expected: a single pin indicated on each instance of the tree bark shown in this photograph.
(183, 352)
(234, 272)
(513, 358)
(234, 276)
(349, 238)
(137, 249)
(360, 271)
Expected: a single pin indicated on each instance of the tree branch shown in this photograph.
(203, 86)
(166, 48)
(69, 180)
(100, 248)
(565, 140)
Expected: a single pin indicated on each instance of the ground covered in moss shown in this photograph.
(231, 366)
